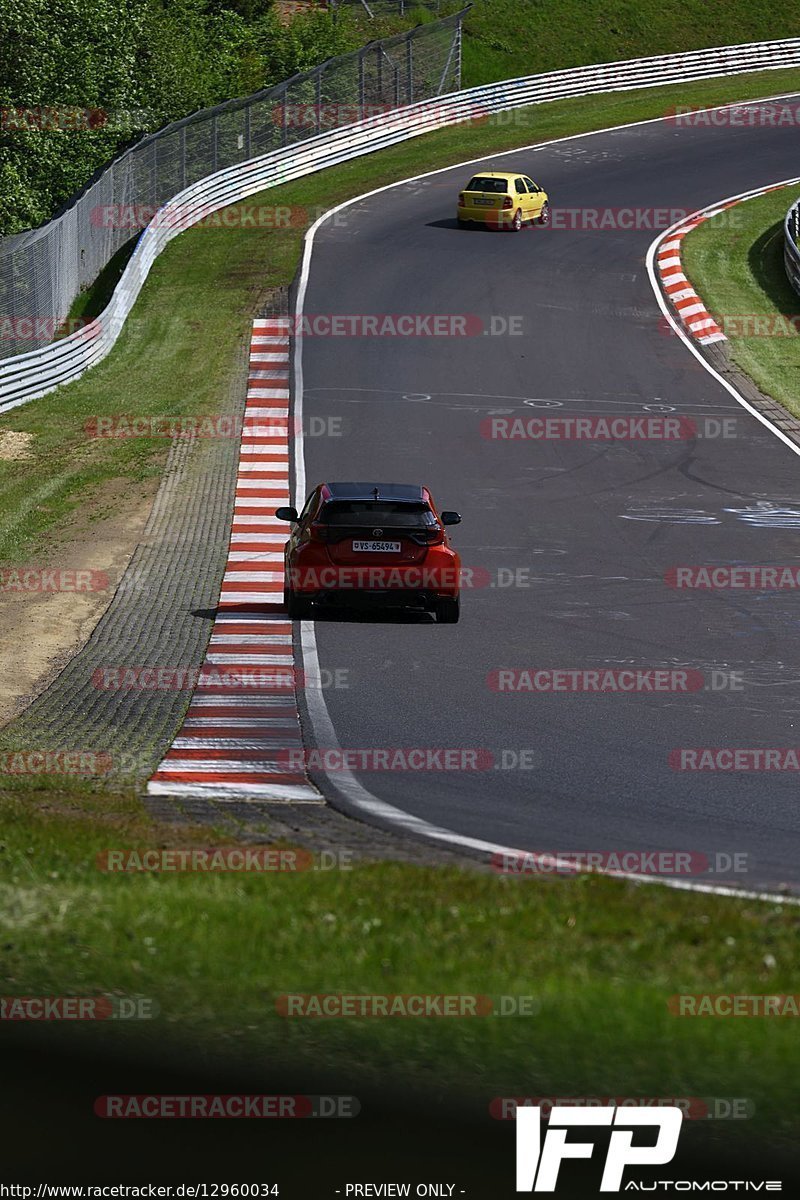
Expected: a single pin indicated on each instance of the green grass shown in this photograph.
(179, 350)
(600, 958)
(504, 39)
(177, 357)
(735, 261)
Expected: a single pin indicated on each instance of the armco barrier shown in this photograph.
(791, 241)
(27, 376)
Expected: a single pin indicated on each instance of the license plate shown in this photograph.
(487, 203)
(377, 547)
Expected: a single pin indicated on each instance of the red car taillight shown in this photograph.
(428, 537)
(508, 202)
(461, 198)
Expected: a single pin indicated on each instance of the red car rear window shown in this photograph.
(379, 512)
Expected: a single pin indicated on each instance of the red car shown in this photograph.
(371, 543)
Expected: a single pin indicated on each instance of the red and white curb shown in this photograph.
(235, 737)
(691, 310)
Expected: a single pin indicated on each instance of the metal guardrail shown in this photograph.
(791, 245)
(33, 374)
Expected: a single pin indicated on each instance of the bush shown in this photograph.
(82, 79)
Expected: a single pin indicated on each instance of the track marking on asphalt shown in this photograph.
(344, 784)
(237, 735)
(616, 400)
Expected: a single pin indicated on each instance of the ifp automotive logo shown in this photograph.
(538, 1160)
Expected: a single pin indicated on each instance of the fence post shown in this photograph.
(409, 70)
(361, 84)
(454, 51)
(318, 101)
(213, 143)
(247, 152)
(183, 156)
(379, 72)
(459, 27)
(33, 275)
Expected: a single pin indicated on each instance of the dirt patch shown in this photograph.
(49, 608)
(15, 446)
(287, 9)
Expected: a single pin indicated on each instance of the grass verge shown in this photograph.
(735, 261)
(601, 958)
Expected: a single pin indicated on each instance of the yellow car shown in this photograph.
(505, 199)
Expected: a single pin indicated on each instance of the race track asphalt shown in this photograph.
(586, 529)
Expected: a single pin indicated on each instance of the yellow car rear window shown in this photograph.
(484, 183)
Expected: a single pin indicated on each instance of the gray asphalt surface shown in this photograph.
(595, 525)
